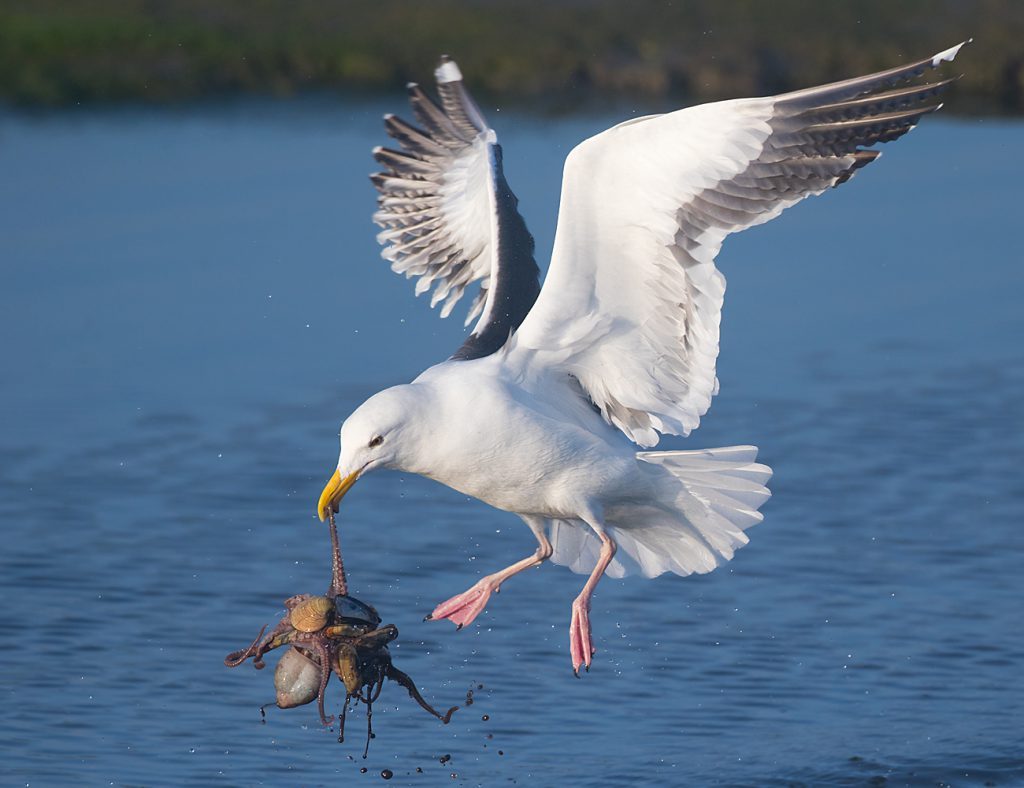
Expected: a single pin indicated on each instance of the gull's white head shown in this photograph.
(376, 435)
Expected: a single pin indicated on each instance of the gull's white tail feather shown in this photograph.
(707, 499)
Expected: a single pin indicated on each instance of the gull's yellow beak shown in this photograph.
(334, 492)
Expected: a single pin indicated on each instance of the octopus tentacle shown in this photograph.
(341, 720)
(294, 601)
(281, 636)
(395, 674)
(375, 694)
(339, 584)
(369, 727)
(325, 675)
(236, 658)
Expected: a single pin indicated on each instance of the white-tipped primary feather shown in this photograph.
(448, 71)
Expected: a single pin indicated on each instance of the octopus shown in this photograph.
(333, 634)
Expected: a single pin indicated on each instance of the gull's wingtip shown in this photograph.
(948, 54)
(447, 71)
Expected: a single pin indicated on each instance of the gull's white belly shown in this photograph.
(519, 458)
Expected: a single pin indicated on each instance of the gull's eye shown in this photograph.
(376, 441)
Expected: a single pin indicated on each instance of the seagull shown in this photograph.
(542, 410)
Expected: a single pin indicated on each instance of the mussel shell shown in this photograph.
(347, 668)
(346, 630)
(296, 679)
(311, 614)
(379, 638)
(351, 610)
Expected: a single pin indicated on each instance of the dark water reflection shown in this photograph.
(170, 419)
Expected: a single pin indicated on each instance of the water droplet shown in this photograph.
(387, 774)
(486, 717)
(362, 770)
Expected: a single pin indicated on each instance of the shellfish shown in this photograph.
(312, 614)
(331, 634)
(296, 679)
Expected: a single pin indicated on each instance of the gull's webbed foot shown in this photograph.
(581, 646)
(465, 607)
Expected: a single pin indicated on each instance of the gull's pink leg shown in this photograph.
(465, 607)
(581, 647)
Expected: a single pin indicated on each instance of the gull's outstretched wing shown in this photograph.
(449, 216)
(632, 301)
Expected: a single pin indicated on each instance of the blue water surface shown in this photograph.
(191, 302)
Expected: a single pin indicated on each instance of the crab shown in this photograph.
(331, 634)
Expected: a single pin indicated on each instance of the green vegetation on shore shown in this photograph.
(58, 52)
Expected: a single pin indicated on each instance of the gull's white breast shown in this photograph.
(549, 454)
